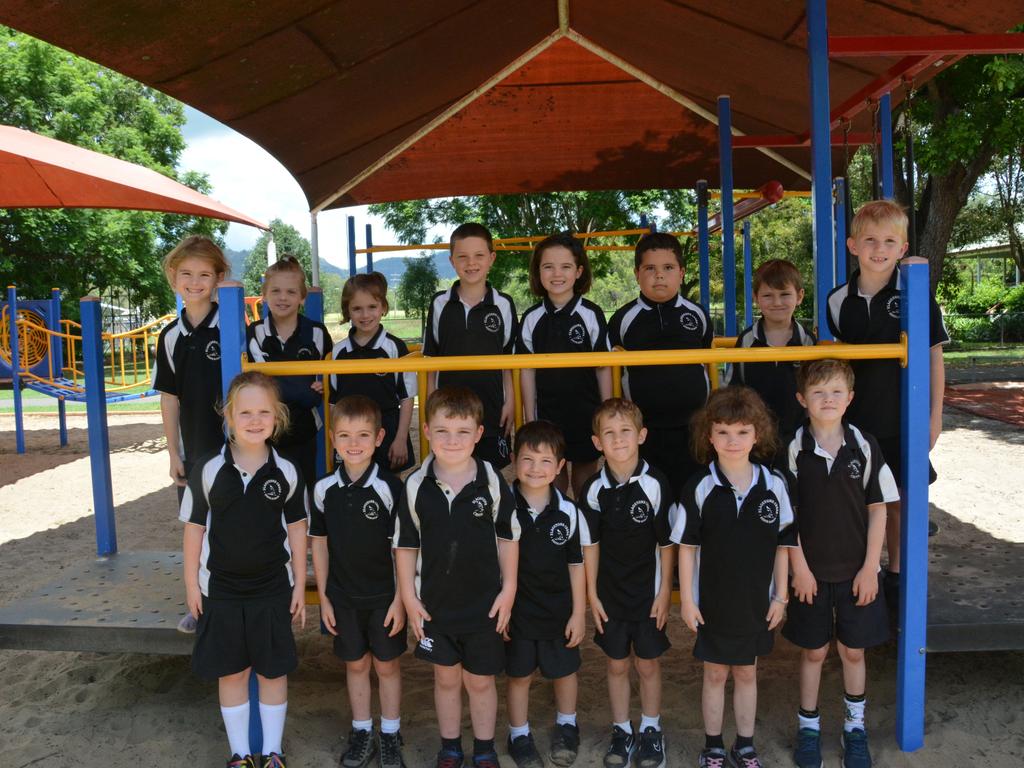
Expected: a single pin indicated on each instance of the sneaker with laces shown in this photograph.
(187, 625)
(390, 749)
(565, 744)
(240, 762)
(620, 750)
(524, 752)
(450, 758)
(745, 757)
(651, 753)
(711, 757)
(855, 749)
(486, 760)
(274, 760)
(362, 746)
(808, 749)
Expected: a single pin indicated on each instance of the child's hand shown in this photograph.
(194, 600)
(597, 611)
(177, 471)
(659, 609)
(502, 608)
(507, 416)
(805, 586)
(776, 613)
(398, 453)
(327, 615)
(575, 629)
(298, 606)
(415, 615)
(395, 617)
(865, 586)
(691, 614)
(317, 386)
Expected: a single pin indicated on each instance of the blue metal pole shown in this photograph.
(179, 305)
(315, 311)
(728, 236)
(821, 160)
(839, 198)
(12, 328)
(351, 226)
(703, 246)
(57, 356)
(369, 245)
(914, 424)
(885, 152)
(748, 278)
(96, 415)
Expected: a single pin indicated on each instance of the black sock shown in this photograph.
(710, 742)
(744, 741)
(855, 699)
(454, 745)
(809, 712)
(482, 746)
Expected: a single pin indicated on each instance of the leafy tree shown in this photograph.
(331, 285)
(288, 241)
(49, 91)
(417, 288)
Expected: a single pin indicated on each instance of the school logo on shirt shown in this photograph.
(271, 489)
(479, 506)
(576, 334)
(640, 510)
(892, 306)
(689, 321)
(768, 511)
(304, 353)
(559, 534)
(371, 510)
(213, 350)
(492, 322)
(855, 469)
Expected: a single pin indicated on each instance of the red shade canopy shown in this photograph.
(39, 172)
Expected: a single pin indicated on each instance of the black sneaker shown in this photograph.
(652, 749)
(621, 749)
(855, 749)
(450, 758)
(486, 760)
(711, 757)
(565, 744)
(744, 757)
(240, 762)
(362, 746)
(808, 749)
(524, 752)
(274, 760)
(389, 747)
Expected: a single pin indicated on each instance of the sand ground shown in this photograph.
(121, 710)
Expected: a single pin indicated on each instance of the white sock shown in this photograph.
(626, 726)
(388, 725)
(563, 719)
(362, 725)
(854, 714)
(515, 731)
(236, 723)
(272, 719)
(650, 722)
(813, 723)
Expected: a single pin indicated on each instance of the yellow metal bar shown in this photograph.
(617, 376)
(754, 194)
(584, 359)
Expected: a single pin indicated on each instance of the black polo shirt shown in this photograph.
(738, 532)
(188, 366)
(246, 517)
(667, 394)
(357, 517)
(579, 326)
(457, 571)
(388, 390)
(630, 521)
(310, 341)
(775, 382)
(487, 328)
(548, 546)
(856, 319)
(832, 498)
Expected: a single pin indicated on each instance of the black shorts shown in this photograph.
(361, 630)
(890, 447)
(835, 613)
(303, 455)
(668, 449)
(494, 447)
(479, 653)
(642, 637)
(733, 650)
(233, 635)
(389, 422)
(552, 657)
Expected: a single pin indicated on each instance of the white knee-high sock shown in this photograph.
(272, 719)
(236, 723)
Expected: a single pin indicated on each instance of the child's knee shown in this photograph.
(477, 684)
(618, 667)
(815, 655)
(850, 655)
(745, 674)
(447, 677)
(715, 674)
(387, 669)
(648, 668)
(359, 666)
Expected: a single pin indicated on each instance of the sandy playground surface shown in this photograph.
(122, 710)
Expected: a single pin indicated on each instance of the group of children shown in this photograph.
(766, 489)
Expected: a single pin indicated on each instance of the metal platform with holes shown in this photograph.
(130, 602)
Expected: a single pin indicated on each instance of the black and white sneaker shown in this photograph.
(711, 757)
(362, 746)
(744, 757)
(565, 744)
(652, 749)
(621, 749)
(389, 746)
(524, 752)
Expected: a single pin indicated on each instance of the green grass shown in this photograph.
(409, 329)
(980, 355)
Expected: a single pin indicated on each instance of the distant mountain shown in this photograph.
(393, 267)
(237, 261)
